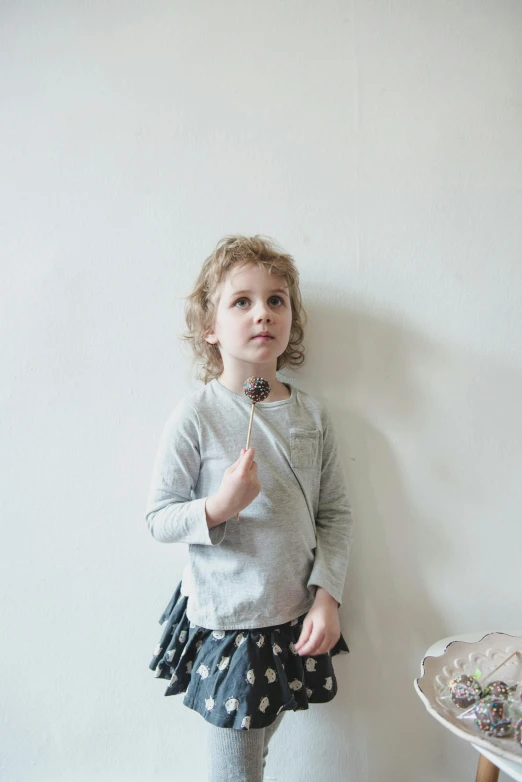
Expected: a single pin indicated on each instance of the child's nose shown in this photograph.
(263, 313)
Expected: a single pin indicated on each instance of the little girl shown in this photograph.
(252, 627)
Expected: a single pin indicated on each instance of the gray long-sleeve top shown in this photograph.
(264, 568)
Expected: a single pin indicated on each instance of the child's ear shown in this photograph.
(210, 337)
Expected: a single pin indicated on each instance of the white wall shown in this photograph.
(380, 143)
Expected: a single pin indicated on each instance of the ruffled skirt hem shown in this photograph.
(240, 679)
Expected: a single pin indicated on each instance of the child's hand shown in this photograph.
(240, 484)
(321, 626)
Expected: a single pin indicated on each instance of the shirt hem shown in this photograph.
(214, 623)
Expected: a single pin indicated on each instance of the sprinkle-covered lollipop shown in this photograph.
(492, 717)
(465, 690)
(256, 389)
(497, 689)
(518, 731)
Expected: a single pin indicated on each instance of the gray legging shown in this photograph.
(239, 755)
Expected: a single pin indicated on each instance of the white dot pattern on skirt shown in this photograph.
(240, 679)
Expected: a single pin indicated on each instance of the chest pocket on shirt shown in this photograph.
(303, 447)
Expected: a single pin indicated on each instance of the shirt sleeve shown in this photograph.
(173, 514)
(334, 522)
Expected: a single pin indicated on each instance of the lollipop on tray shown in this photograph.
(465, 690)
(492, 717)
(256, 389)
(498, 689)
(518, 732)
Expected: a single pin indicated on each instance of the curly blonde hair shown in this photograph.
(201, 304)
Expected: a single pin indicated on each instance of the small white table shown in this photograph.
(489, 763)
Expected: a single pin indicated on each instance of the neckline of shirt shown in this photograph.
(220, 387)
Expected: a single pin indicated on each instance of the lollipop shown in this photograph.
(518, 731)
(491, 716)
(497, 689)
(464, 690)
(256, 389)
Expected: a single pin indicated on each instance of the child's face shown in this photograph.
(251, 301)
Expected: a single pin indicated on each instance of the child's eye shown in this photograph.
(243, 298)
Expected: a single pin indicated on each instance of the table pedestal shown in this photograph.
(486, 771)
(489, 764)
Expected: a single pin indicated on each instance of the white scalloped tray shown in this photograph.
(466, 657)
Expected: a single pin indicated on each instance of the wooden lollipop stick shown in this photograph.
(256, 389)
(248, 439)
(490, 674)
(250, 425)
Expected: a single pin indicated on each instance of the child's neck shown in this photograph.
(278, 390)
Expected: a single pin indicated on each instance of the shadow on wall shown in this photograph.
(382, 384)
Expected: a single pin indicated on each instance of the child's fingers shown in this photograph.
(241, 455)
(237, 462)
(305, 634)
(245, 460)
(313, 643)
(247, 457)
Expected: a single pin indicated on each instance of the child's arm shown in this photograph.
(172, 515)
(321, 627)
(334, 523)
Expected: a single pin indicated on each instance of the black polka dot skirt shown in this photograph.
(240, 679)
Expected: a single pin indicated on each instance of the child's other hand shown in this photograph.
(240, 484)
(321, 626)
